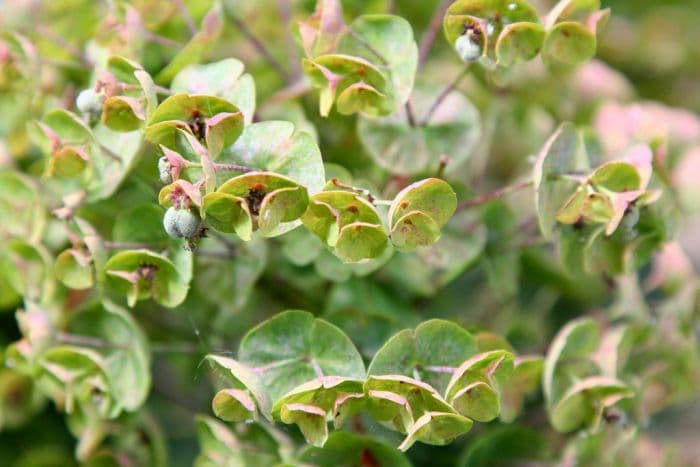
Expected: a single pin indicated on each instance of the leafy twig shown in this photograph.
(285, 11)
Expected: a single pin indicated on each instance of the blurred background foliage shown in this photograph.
(506, 280)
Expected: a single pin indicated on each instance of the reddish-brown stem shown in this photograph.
(182, 8)
(493, 195)
(260, 47)
(131, 245)
(443, 95)
(285, 9)
(428, 38)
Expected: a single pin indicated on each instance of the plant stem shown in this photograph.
(369, 47)
(443, 95)
(219, 167)
(428, 38)
(87, 341)
(182, 8)
(410, 114)
(60, 42)
(493, 195)
(359, 191)
(285, 10)
(294, 90)
(111, 154)
(131, 245)
(162, 40)
(260, 47)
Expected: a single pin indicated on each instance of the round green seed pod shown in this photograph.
(179, 223)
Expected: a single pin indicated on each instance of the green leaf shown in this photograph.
(250, 444)
(508, 444)
(330, 211)
(294, 347)
(110, 173)
(478, 401)
(142, 274)
(20, 201)
(25, 268)
(420, 397)
(223, 79)
(415, 229)
(359, 242)
(77, 375)
(432, 351)
(127, 363)
(276, 147)
(320, 33)
(122, 113)
(140, 224)
(578, 339)
(68, 162)
(562, 154)
(436, 428)
(419, 211)
(228, 213)
(453, 129)
(616, 176)
(282, 205)
(343, 447)
(74, 269)
(274, 202)
(310, 419)
(597, 208)
(333, 74)
(242, 377)
(187, 112)
(526, 378)
(493, 368)
(571, 10)
(197, 48)
(233, 405)
(585, 401)
(392, 38)
(569, 43)
(519, 42)
(68, 126)
(322, 392)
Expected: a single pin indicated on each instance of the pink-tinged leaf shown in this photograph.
(640, 156)
(621, 202)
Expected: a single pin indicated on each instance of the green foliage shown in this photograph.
(487, 229)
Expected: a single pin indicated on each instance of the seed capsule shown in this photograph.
(89, 103)
(179, 223)
(467, 49)
(164, 170)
